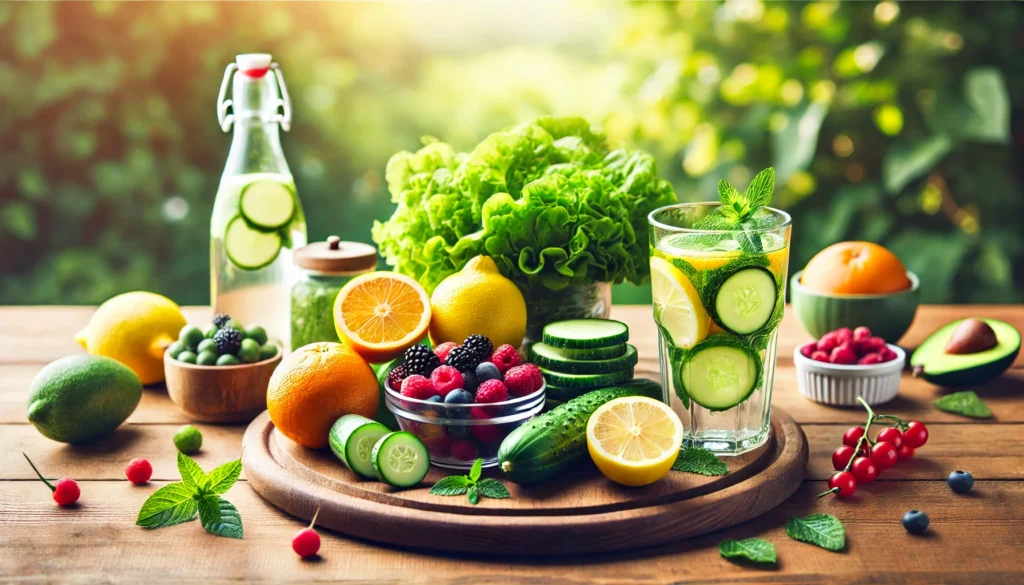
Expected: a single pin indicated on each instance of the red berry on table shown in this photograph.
(463, 450)
(492, 391)
(445, 379)
(827, 343)
(418, 387)
(506, 357)
(893, 436)
(488, 434)
(843, 355)
(65, 492)
(820, 356)
(523, 380)
(861, 333)
(138, 471)
(306, 542)
(845, 482)
(864, 469)
(808, 349)
(841, 456)
(905, 452)
(852, 435)
(884, 455)
(870, 359)
(916, 435)
(442, 350)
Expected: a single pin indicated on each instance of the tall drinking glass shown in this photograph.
(718, 297)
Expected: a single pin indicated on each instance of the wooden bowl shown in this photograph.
(220, 394)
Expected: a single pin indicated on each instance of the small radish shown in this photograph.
(306, 542)
(138, 471)
(66, 491)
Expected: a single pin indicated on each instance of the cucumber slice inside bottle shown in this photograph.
(720, 373)
(400, 459)
(585, 333)
(267, 204)
(248, 248)
(745, 301)
(352, 439)
(546, 356)
(586, 381)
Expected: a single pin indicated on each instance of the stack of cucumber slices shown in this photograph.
(370, 449)
(255, 236)
(581, 355)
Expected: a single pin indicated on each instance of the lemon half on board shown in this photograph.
(635, 440)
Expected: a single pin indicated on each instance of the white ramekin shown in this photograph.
(840, 385)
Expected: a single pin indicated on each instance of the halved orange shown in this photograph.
(381, 314)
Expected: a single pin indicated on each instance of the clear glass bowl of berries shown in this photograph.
(462, 403)
(845, 364)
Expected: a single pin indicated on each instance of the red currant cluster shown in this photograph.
(862, 458)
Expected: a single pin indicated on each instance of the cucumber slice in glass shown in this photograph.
(247, 248)
(585, 333)
(546, 356)
(352, 439)
(267, 204)
(400, 459)
(720, 373)
(745, 301)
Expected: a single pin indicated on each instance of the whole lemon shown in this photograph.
(134, 328)
(478, 300)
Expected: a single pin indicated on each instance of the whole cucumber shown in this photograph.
(548, 444)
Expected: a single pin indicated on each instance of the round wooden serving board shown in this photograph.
(581, 512)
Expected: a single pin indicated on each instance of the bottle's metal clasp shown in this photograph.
(225, 112)
(286, 100)
(223, 103)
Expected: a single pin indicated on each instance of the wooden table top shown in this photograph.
(978, 538)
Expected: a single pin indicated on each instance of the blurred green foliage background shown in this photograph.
(898, 123)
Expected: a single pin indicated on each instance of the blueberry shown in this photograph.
(915, 522)
(458, 397)
(487, 371)
(434, 398)
(469, 382)
(457, 431)
(960, 482)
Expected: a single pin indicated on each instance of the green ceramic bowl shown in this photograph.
(889, 315)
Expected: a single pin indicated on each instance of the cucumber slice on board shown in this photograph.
(352, 439)
(400, 459)
(745, 300)
(586, 381)
(247, 248)
(548, 357)
(595, 353)
(267, 204)
(720, 373)
(585, 333)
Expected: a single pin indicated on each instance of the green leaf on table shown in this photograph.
(476, 470)
(192, 475)
(225, 476)
(453, 485)
(752, 549)
(493, 488)
(700, 461)
(167, 506)
(907, 160)
(965, 403)
(474, 494)
(818, 529)
(219, 516)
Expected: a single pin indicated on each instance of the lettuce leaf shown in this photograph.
(547, 200)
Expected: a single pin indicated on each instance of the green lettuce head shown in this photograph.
(546, 200)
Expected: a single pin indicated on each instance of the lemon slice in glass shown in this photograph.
(677, 306)
(635, 440)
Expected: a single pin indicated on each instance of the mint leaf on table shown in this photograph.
(167, 506)
(493, 488)
(474, 494)
(471, 485)
(453, 485)
(701, 461)
(192, 475)
(220, 517)
(752, 549)
(818, 529)
(225, 476)
(197, 492)
(476, 470)
(965, 403)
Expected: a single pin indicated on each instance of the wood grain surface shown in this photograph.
(973, 539)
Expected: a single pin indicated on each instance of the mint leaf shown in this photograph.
(731, 198)
(167, 506)
(225, 476)
(759, 191)
(701, 461)
(474, 494)
(192, 475)
(493, 488)
(453, 485)
(753, 549)
(964, 403)
(219, 516)
(476, 470)
(818, 529)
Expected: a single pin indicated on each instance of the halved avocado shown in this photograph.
(931, 362)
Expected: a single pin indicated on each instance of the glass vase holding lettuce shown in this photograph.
(562, 215)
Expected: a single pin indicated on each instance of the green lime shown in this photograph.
(227, 360)
(249, 352)
(188, 440)
(175, 349)
(191, 336)
(207, 358)
(210, 331)
(189, 357)
(268, 351)
(207, 345)
(256, 333)
(234, 324)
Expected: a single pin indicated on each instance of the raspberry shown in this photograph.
(505, 357)
(445, 379)
(887, 354)
(395, 377)
(442, 350)
(861, 333)
(869, 359)
(820, 356)
(492, 391)
(843, 355)
(488, 434)
(808, 349)
(872, 344)
(523, 380)
(416, 386)
(138, 471)
(463, 450)
(844, 335)
(828, 342)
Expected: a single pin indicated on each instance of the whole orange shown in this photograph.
(855, 268)
(315, 385)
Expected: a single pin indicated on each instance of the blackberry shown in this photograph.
(480, 346)
(462, 358)
(228, 341)
(420, 359)
(395, 377)
(220, 319)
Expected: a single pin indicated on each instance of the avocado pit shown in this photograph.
(971, 336)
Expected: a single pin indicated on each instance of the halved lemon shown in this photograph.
(381, 314)
(635, 440)
(677, 306)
